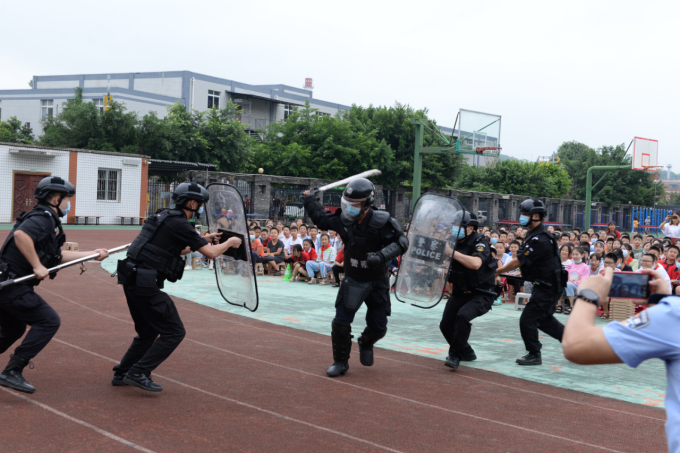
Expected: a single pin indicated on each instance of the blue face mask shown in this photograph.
(579, 261)
(458, 232)
(252, 237)
(494, 240)
(618, 266)
(352, 211)
(524, 220)
(200, 210)
(68, 208)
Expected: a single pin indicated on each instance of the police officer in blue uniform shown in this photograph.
(539, 262)
(154, 256)
(372, 238)
(472, 279)
(33, 246)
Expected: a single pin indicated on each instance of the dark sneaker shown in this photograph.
(13, 379)
(337, 369)
(118, 379)
(530, 359)
(142, 381)
(452, 361)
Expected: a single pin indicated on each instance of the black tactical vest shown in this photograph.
(48, 250)
(360, 243)
(141, 251)
(464, 279)
(547, 271)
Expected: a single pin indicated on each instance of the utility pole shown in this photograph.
(590, 186)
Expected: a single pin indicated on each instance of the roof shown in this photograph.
(77, 150)
(162, 167)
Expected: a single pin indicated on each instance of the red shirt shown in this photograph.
(340, 256)
(615, 232)
(672, 270)
(257, 244)
(311, 255)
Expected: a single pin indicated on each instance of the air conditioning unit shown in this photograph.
(131, 162)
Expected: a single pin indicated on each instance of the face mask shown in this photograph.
(200, 210)
(625, 253)
(252, 237)
(68, 208)
(460, 233)
(618, 266)
(593, 240)
(352, 211)
(524, 220)
(494, 240)
(578, 261)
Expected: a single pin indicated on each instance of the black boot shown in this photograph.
(118, 379)
(366, 341)
(530, 359)
(142, 381)
(341, 336)
(452, 361)
(11, 377)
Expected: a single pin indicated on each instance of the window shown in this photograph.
(288, 109)
(673, 186)
(99, 104)
(0, 110)
(108, 185)
(213, 99)
(47, 107)
(322, 114)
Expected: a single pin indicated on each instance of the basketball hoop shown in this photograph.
(491, 152)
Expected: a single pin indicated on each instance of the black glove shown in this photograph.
(374, 260)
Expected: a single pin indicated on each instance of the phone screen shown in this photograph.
(630, 285)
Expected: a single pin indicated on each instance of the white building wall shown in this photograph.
(86, 189)
(57, 84)
(103, 83)
(142, 108)
(56, 164)
(26, 110)
(168, 86)
(200, 94)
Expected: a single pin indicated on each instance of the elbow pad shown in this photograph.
(394, 250)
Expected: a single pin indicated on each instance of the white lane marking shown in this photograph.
(78, 421)
(455, 376)
(238, 402)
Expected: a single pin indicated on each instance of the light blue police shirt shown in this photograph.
(654, 333)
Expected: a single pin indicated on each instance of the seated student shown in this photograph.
(609, 245)
(584, 237)
(565, 255)
(338, 266)
(276, 253)
(324, 261)
(336, 241)
(623, 266)
(564, 239)
(264, 238)
(572, 237)
(617, 244)
(308, 254)
(503, 238)
(295, 258)
(599, 248)
(594, 264)
(257, 250)
(612, 261)
(650, 262)
(314, 236)
(637, 247)
(494, 236)
(625, 238)
(511, 237)
(500, 250)
(577, 271)
(602, 236)
(670, 265)
(611, 230)
(499, 280)
(649, 238)
(628, 259)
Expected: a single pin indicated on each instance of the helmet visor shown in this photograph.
(351, 208)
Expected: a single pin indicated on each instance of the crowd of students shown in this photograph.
(587, 253)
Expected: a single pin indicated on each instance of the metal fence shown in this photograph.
(286, 202)
(159, 193)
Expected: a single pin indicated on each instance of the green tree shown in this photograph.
(517, 177)
(13, 131)
(617, 187)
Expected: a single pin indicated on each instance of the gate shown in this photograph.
(485, 210)
(567, 219)
(578, 220)
(504, 210)
(286, 202)
(160, 190)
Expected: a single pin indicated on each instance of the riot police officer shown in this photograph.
(472, 279)
(153, 257)
(33, 246)
(539, 261)
(372, 238)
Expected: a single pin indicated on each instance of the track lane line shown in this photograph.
(336, 382)
(238, 402)
(78, 421)
(454, 376)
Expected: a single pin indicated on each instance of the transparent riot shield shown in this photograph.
(424, 268)
(234, 269)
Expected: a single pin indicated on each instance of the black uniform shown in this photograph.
(472, 294)
(378, 232)
(19, 304)
(540, 264)
(153, 257)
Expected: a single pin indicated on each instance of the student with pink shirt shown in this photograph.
(577, 271)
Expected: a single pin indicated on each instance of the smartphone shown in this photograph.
(627, 284)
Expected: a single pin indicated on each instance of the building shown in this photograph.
(108, 185)
(155, 91)
(671, 188)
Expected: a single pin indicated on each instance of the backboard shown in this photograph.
(645, 154)
(476, 130)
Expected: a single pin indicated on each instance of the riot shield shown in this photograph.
(421, 278)
(234, 269)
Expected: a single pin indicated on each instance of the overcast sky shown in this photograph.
(595, 72)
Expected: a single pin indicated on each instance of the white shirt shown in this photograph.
(672, 231)
(662, 272)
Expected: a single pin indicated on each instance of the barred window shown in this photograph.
(108, 185)
(213, 99)
(288, 109)
(47, 106)
(99, 104)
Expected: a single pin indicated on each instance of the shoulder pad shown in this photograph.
(395, 225)
(379, 219)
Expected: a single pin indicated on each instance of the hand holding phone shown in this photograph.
(631, 285)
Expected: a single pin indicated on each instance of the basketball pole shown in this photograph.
(590, 187)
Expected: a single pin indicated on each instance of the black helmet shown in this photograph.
(54, 184)
(532, 206)
(359, 190)
(190, 191)
(469, 219)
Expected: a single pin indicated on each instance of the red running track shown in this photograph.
(238, 384)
